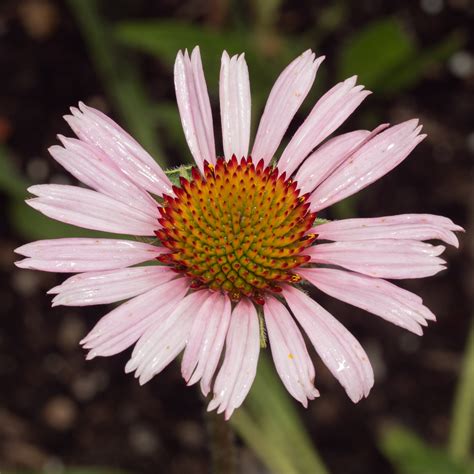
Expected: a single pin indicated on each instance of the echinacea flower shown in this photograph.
(235, 240)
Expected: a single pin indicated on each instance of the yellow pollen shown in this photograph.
(240, 228)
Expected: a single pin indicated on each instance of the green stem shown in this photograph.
(119, 77)
(255, 438)
(271, 427)
(461, 434)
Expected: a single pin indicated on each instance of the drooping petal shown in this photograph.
(235, 102)
(286, 96)
(85, 255)
(406, 226)
(124, 325)
(239, 367)
(372, 294)
(110, 286)
(329, 113)
(382, 258)
(165, 339)
(289, 352)
(194, 107)
(206, 341)
(337, 347)
(91, 210)
(94, 168)
(372, 161)
(94, 127)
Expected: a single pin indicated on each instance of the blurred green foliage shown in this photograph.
(269, 423)
(27, 222)
(387, 58)
(119, 76)
(461, 436)
(411, 455)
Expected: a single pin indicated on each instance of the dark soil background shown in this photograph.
(58, 410)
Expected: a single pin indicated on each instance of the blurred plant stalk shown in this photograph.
(270, 425)
(462, 419)
(121, 80)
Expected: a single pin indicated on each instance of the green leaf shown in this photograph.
(388, 60)
(270, 425)
(411, 455)
(461, 435)
(374, 51)
(409, 73)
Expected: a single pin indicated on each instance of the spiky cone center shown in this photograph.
(240, 228)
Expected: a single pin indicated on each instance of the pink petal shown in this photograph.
(111, 345)
(440, 221)
(194, 107)
(384, 258)
(124, 325)
(372, 294)
(165, 339)
(320, 164)
(375, 159)
(286, 96)
(337, 347)
(415, 227)
(206, 341)
(91, 210)
(203, 329)
(95, 169)
(234, 91)
(85, 255)
(289, 352)
(111, 286)
(97, 129)
(329, 113)
(239, 368)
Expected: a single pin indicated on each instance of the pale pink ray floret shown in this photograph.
(163, 313)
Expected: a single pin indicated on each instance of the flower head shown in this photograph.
(237, 238)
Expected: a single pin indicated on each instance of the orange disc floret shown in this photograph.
(239, 228)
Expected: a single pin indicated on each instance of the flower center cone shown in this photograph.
(240, 228)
